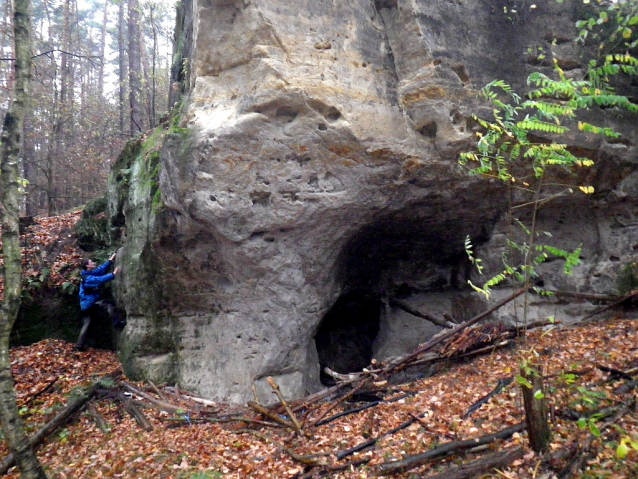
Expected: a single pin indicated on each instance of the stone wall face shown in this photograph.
(319, 156)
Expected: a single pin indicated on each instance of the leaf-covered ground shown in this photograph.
(50, 254)
(186, 444)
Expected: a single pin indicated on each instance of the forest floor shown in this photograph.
(185, 438)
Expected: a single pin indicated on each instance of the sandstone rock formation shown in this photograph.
(314, 172)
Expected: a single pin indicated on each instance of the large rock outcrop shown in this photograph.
(314, 171)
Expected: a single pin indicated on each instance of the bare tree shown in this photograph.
(135, 67)
(12, 132)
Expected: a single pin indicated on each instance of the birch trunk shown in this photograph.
(10, 185)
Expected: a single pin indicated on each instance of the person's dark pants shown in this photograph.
(89, 314)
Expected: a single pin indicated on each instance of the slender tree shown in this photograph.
(12, 131)
(100, 75)
(123, 71)
(135, 67)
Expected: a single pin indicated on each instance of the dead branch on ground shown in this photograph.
(482, 465)
(411, 462)
(308, 460)
(582, 452)
(60, 419)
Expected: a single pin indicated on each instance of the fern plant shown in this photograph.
(510, 148)
(520, 146)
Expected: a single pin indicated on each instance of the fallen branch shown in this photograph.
(609, 306)
(590, 296)
(411, 462)
(156, 389)
(283, 402)
(615, 373)
(477, 405)
(328, 470)
(60, 419)
(320, 395)
(538, 324)
(625, 388)
(270, 415)
(308, 460)
(137, 413)
(361, 408)
(97, 417)
(401, 363)
(483, 465)
(582, 452)
(415, 312)
(39, 393)
(168, 407)
(373, 441)
(336, 403)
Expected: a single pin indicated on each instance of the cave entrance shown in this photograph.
(412, 253)
(346, 334)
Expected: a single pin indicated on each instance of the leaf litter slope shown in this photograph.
(182, 445)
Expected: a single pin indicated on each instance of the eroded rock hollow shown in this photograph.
(313, 174)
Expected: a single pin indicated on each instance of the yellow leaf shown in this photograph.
(588, 190)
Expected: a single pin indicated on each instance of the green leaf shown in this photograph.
(523, 382)
(622, 450)
(594, 429)
(582, 423)
(539, 395)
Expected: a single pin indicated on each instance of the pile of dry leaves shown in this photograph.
(139, 430)
(50, 254)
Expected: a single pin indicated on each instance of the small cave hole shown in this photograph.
(458, 120)
(333, 114)
(261, 198)
(429, 129)
(461, 72)
(287, 114)
(322, 127)
(346, 334)
(381, 4)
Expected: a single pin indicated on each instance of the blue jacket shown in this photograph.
(90, 286)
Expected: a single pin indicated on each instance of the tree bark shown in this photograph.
(536, 412)
(135, 67)
(100, 75)
(123, 72)
(10, 185)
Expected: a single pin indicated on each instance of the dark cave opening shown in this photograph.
(346, 334)
(417, 250)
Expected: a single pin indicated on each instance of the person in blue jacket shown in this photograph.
(93, 277)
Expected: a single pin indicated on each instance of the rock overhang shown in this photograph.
(320, 163)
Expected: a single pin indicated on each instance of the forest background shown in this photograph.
(100, 76)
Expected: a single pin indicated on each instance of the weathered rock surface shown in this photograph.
(316, 159)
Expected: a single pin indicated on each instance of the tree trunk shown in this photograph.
(153, 66)
(536, 411)
(10, 185)
(123, 72)
(100, 75)
(135, 67)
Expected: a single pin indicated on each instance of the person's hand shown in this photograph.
(112, 257)
(117, 270)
